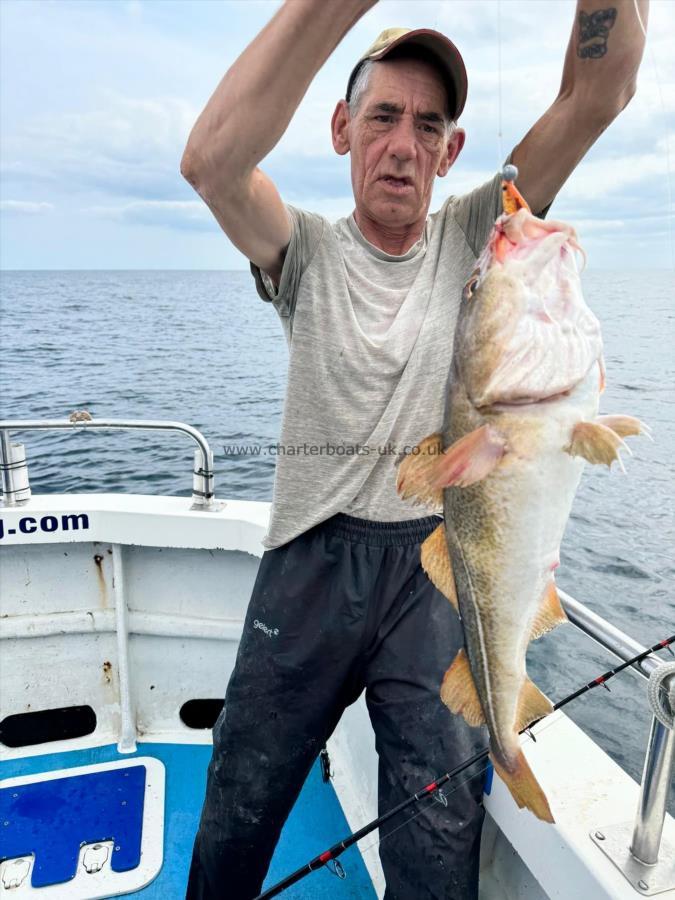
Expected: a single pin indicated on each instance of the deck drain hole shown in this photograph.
(200, 713)
(44, 725)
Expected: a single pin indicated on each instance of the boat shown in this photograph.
(120, 616)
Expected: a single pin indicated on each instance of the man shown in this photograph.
(369, 306)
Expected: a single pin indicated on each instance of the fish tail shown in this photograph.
(524, 787)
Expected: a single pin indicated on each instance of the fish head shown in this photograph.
(525, 333)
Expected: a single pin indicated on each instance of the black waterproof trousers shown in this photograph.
(343, 607)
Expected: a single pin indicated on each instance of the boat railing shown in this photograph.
(636, 847)
(14, 467)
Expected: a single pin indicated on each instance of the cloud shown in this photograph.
(184, 215)
(107, 136)
(133, 9)
(332, 208)
(125, 146)
(619, 175)
(25, 207)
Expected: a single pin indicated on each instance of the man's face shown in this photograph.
(398, 141)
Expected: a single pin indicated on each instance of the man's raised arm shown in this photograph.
(247, 115)
(599, 78)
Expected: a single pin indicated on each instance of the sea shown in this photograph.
(200, 347)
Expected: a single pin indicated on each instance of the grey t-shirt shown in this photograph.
(370, 340)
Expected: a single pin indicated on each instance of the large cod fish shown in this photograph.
(522, 418)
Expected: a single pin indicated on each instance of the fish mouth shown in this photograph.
(524, 402)
(500, 393)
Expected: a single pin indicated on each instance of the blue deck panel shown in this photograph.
(316, 822)
(51, 819)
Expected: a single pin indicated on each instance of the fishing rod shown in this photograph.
(338, 849)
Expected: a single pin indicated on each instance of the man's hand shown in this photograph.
(599, 79)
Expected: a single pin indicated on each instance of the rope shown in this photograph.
(661, 696)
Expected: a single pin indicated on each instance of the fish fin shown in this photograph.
(596, 443)
(624, 426)
(436, 563)
(414, 479)
(550, 613)
(532, 705)
(470, 459)
(458, 691)
(524, 787)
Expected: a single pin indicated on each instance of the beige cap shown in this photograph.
(443, 51)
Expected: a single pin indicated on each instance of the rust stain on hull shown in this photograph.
(102, 586)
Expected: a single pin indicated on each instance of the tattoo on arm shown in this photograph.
(593, 32)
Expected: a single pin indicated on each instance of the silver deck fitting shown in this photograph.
(14, 471)
(636, 847)
(15, 484)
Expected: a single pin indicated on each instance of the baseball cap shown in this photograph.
(432, 43)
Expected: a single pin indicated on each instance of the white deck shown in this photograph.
(183, 580)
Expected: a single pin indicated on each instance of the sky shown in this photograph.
(97, 98)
